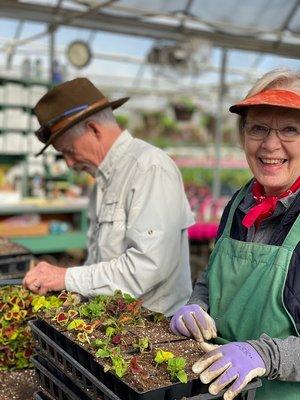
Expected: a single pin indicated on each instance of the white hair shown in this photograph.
(103, 117)
(281, 78)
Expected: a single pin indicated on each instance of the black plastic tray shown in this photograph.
(55, 382)
(40, 395)
(14, 266)
(11, 282)
(80, 366)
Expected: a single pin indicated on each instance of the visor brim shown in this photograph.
(272, 97)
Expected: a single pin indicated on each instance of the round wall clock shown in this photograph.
(79, 54)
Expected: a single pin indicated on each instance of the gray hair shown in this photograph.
(104, 116)
(276, 79)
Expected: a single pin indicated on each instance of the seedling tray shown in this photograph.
(15, 266)
(79, 365)
(14, 259)
(11, 282)
(55, 382)
(40, 395)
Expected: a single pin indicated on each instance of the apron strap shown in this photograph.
(293, 237)
(234, 206)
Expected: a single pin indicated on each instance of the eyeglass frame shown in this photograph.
(278, 132)
(44, 132)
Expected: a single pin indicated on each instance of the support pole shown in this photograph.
(51, 53)
(219, 130)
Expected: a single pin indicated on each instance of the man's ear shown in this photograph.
(94, 128)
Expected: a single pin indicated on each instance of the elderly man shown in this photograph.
(138, 211)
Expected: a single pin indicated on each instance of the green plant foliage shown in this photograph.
(70, 298)
(42, 303)
(119, 365)
(152, 114)
(176, 367)
(206, 120)
(235, 178)
(186, 103)
(161, 141)
(143, 344)
(163, 356)
(94, 308)
(169, 124)
(83, 337)
(122, 120)
(17, 307)
(110, 331)
(113, 317)
(77, 324)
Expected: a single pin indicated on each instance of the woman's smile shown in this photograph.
(274, 162)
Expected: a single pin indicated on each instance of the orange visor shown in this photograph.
(270, 97)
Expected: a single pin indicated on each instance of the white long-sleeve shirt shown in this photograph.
(138, 242)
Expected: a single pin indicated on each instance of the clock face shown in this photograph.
(79, 54)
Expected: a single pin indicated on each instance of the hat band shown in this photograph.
(62, 123)
(44, 132)
(59, 122)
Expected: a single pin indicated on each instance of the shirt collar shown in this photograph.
(118, 148)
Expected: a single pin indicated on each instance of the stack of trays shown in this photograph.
(14, 259)
(66, 371)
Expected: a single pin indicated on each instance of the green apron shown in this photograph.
(246, 283)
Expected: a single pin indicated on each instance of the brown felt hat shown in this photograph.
(66, 105)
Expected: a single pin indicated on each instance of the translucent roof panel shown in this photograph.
(294, 25)
(271, 26)
(189, 35)
(231, 15)
(255, 15)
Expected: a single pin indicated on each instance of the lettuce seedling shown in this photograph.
(176, 367)
(142, 344)
(76, 324)
(163, 356)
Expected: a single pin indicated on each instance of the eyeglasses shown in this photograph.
(260, 132)
(44, 133)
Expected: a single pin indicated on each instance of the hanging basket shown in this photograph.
(182, 112)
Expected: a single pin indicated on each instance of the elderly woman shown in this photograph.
(251, 288)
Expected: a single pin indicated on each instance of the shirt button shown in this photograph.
(150, 232)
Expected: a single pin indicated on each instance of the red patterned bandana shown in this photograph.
(265, 205)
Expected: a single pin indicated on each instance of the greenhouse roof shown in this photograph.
(271, 26)
(156, 47)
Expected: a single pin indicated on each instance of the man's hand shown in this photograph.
(193, 321)
(236, 363)
(44, 278)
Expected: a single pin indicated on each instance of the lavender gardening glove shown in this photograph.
(192, 321)
(236, 363)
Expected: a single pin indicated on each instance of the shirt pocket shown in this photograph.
(111, 230)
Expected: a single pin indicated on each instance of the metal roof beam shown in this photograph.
(132, 26)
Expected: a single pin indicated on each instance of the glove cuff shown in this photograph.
(261, 350)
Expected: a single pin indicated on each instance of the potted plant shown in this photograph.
(151, 118)
(169, 125)
(184, 109)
